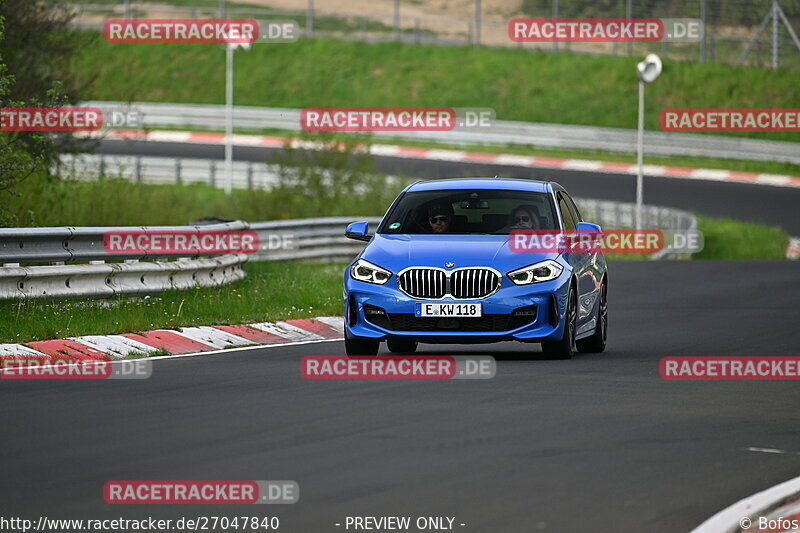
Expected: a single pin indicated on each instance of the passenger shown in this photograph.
(440, 217)
(524, 217)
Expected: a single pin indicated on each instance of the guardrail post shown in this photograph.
(758, 53)
(102, 170)
(555, 16)
(396, 21)
(628, 15)
(250, 176)
(776, 36)
(212, 171)
(138, 170)
(177, 171)
(703, 40)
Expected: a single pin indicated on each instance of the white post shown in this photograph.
(640, 158)
(477, 22)
(229, 119)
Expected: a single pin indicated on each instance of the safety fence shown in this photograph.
(751, 32)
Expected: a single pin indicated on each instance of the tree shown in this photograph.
(38, 48)
(35, 45)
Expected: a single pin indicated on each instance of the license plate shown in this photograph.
(440, 309)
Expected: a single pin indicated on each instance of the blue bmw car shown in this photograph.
(440, 268)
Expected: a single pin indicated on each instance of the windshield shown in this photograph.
(461, 212)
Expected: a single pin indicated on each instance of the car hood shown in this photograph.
(396, 252)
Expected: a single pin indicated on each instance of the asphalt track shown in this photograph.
(777, 206)
(598, 443)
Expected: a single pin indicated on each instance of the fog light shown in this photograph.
(376, 315)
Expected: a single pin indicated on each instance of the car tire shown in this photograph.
(356, 346)
(401, 346)
(566, 347)
(597, 342)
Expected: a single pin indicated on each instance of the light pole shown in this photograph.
(647, 71)
(230, 48)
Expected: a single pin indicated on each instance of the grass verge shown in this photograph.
(44, 201)
(731, 239)
(271, 291)
(519, 84)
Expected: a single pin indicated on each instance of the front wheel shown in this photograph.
(565, 348)
(357, 346)
(597, 342)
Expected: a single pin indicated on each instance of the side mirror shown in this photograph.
(588, 227)
(358, 231)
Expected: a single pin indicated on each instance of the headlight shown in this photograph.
(366, 271)
(544, 271)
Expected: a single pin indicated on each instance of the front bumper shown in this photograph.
(548, 298)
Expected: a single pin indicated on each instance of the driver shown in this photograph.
(440, 217)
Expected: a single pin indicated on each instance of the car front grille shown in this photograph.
(433, 283)
(473, 283)
(423, 283)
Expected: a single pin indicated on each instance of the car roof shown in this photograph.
(514, 184)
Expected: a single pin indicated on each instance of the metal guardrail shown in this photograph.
(501, 132)
(41, 245)
(166, 170)
(180, 171)
(102, 280)
(92, 272)
(623, 215)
